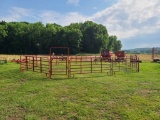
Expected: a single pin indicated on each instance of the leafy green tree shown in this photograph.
(73, 40)
(3, 34)
(114, 44)
(20, 41)
(37, 38)
(10, 40)
(95, 37)
(117, 46)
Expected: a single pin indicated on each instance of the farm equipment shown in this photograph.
(120, 55)
(106, 55)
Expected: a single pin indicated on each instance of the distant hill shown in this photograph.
(143, 50)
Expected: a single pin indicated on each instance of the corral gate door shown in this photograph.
(59, 62)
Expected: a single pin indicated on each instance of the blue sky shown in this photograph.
(135, 22)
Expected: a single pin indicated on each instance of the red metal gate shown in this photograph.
(65, 65)
(35, 63)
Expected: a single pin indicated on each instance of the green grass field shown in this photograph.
(124, 96)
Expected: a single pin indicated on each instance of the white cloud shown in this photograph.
(72, 17)
(54, 17)
(46, 16)
(125, 19)
(128, 18)
(15, 14)
(73, 2)
(49, 16)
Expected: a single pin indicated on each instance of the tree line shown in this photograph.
(37, 38)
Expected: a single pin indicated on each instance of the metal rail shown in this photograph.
(54, 65)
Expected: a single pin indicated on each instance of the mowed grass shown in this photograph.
(124, 96)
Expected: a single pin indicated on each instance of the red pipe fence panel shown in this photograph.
(70, 65)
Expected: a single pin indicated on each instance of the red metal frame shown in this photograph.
(76, 64)
(50, 70)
